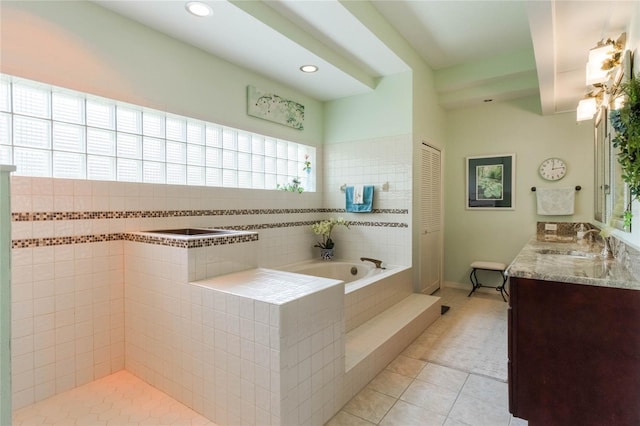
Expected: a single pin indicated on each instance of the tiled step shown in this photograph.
(372, 345)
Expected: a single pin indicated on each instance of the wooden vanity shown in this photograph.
(574, 347)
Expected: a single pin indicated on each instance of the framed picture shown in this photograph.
(491, 182)
(274, 108)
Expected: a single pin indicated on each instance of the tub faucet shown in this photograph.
(376, 262)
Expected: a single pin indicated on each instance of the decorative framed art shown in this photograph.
(275, 108)
(491, 182)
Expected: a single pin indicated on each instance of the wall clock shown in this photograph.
(552, 169)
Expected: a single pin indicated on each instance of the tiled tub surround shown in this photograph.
(241, 347)
(67, 258)
(278, 347)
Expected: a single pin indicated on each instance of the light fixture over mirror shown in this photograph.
(587, 108)
(602, 75)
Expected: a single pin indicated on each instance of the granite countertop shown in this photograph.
(552, 261)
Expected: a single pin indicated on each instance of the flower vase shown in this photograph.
(326, 254)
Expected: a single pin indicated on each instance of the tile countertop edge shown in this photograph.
(268, 285)
(531, 264)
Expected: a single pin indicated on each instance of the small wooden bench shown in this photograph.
(488, 266)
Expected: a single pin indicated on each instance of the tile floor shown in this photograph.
(453, 374)
(120, 399)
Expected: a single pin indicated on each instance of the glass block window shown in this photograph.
(54, 132)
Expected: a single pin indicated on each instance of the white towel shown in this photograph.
(555, 201)
(358, 194)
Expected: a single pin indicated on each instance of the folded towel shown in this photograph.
(555, 201)
(358, 194)
(367, 199)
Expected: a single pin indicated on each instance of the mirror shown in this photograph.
(612, 194)
(602, 188)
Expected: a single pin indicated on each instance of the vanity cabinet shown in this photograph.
(574, 353)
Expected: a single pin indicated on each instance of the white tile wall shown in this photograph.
(67, 317)
(235, 359)
(68, 301)
(372, 162)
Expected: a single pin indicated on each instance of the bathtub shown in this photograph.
(354, 274)
(368, 290)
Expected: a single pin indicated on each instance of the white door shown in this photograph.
(430, 219)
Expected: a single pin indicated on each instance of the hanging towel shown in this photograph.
(555, 201)
(358, 194)
(367, 199)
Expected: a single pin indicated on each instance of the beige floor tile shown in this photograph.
(390, 383)
(119, 399)
(406, 366)
(345, 419)
(445, 377)
(370, 405)
(405, 414)
(477, 412)
(454, 422)
(488, 390)
(429, 396)
(419, 351)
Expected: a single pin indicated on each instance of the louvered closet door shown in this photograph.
(430, 220)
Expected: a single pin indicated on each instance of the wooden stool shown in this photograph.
(488, 266)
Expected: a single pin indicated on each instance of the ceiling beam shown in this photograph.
(268, 16)
(542, 23)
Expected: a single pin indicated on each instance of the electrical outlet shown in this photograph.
(550, 226)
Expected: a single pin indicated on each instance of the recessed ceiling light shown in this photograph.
(199, 9)
(308, 68)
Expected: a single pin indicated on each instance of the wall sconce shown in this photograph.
(603, 58)
(587, 108)
(601, 75)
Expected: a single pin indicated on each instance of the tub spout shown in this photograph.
(376, 262)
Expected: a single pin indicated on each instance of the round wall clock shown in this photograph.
(552, 169)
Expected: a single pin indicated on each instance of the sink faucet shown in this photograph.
(376, 262)
(606, 253)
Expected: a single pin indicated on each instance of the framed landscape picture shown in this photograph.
(491, 182)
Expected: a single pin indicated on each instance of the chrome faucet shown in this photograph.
(606, 253)
(376, 262)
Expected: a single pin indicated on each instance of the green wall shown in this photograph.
(386, 111)
(81, 46)
(502, 128)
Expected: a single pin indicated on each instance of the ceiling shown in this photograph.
(479, 50)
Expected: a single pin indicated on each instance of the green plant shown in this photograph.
(324, 228)
(626, 123)
(293, 186)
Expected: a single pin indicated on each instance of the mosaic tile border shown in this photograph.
(191, 243)
(149, 214)
(200, 242)
(59, 241)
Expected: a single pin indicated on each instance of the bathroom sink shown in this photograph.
(192, 231)
(570, 253)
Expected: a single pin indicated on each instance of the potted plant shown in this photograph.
(324, 228)
(626, 122)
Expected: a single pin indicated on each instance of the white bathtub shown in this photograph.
(367, 292)
(354, 274)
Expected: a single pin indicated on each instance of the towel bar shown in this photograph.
(385, 187)
(578, 188)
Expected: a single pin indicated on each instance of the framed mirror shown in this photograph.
(602, 186)
(612, 195)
